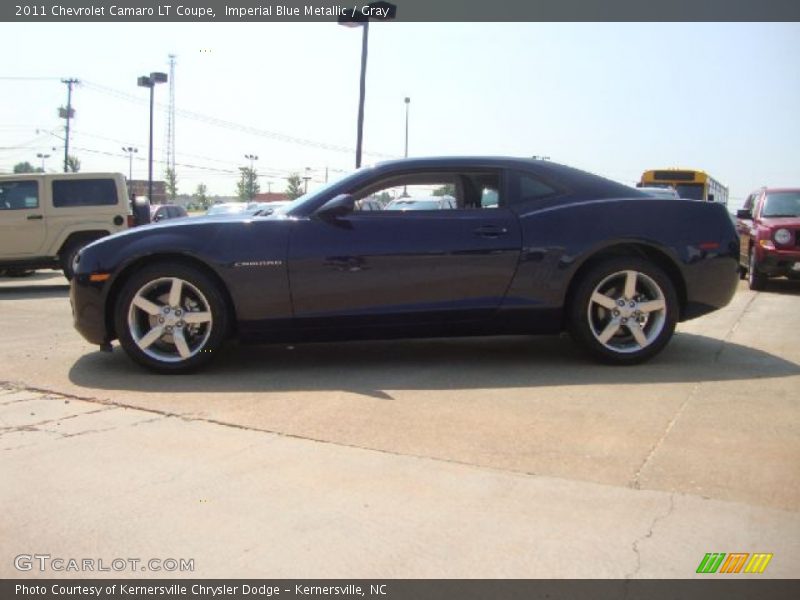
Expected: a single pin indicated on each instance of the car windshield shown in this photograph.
(782, 204)
(411, 204)
(308, 197)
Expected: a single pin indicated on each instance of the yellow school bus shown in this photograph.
(689, 183)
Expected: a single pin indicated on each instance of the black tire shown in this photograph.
(200, 294)
(755, 280)
(606, 329)
(68, 253)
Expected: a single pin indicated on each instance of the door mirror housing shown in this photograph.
(744, 213)
(336, 207)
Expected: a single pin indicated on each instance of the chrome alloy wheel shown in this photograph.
(169, 319)
(627, 311)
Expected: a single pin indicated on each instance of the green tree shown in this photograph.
(201, 196)
(294, 186)
(446, 190)
(247, 187)
(26, 167)
(73, 164)
(171, 184)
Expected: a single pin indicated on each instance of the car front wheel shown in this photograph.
(171, 318)
(624, 311)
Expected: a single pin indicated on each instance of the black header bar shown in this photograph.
(407, 10)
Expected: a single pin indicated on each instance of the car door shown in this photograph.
(23, 227)
(442, 264)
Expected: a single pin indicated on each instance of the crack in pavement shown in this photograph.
(40, 424)
(635, 482)
(648, 535)
(734, 327)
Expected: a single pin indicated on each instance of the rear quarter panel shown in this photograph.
(559, 237)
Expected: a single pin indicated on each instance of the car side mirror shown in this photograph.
(744, 213)
(336, 207)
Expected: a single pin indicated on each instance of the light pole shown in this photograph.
(305, 179)
(150, 81)
(360, 19)
(251, 158)
(43, 157)
(130, 151)
(408, 101)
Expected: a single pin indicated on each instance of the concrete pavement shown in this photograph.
(497, 457)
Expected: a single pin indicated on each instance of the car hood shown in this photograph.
(200, 226)
(780, 221)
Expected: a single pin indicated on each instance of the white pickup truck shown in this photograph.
(46, 218)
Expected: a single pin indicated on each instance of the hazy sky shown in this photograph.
(614, 99)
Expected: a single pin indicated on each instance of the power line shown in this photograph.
(231, 125)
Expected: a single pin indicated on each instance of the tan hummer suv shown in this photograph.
(46, 218)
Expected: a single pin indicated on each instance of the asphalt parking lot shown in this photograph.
(496, 457)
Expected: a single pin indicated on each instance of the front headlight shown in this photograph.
(783, 236)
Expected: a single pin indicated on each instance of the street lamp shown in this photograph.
(43, 157)
(150, 81)
(360, 18)
(251, 158)
(130, 151)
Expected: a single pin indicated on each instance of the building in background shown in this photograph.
(138, 187)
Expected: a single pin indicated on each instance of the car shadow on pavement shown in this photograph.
(368, 368)
(789, 287)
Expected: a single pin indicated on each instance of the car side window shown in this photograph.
(525, 187)
(84, 192)
(465, 190)
(19, 195)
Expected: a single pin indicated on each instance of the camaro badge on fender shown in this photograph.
(258, 263)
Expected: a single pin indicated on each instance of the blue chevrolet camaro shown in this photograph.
(524, 247)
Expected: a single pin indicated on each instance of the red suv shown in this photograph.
(769, 232)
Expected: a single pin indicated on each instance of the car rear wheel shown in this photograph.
(624, 311)
(755, 280)
(171, 318)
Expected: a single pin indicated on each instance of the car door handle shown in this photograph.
(490, 231)
(35, 217)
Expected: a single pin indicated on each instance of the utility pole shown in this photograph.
(169, 159)
(67, 114)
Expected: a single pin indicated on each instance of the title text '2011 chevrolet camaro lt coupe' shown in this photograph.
(520, 247)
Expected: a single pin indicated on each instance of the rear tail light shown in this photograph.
(131, 221)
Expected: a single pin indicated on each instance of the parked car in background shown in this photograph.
(422, 203)
(769, 235)
(561, 250)
(45, 219)
(227, 208)
(263, 209)
(369, 204)
(160, 212)
(666, 193)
